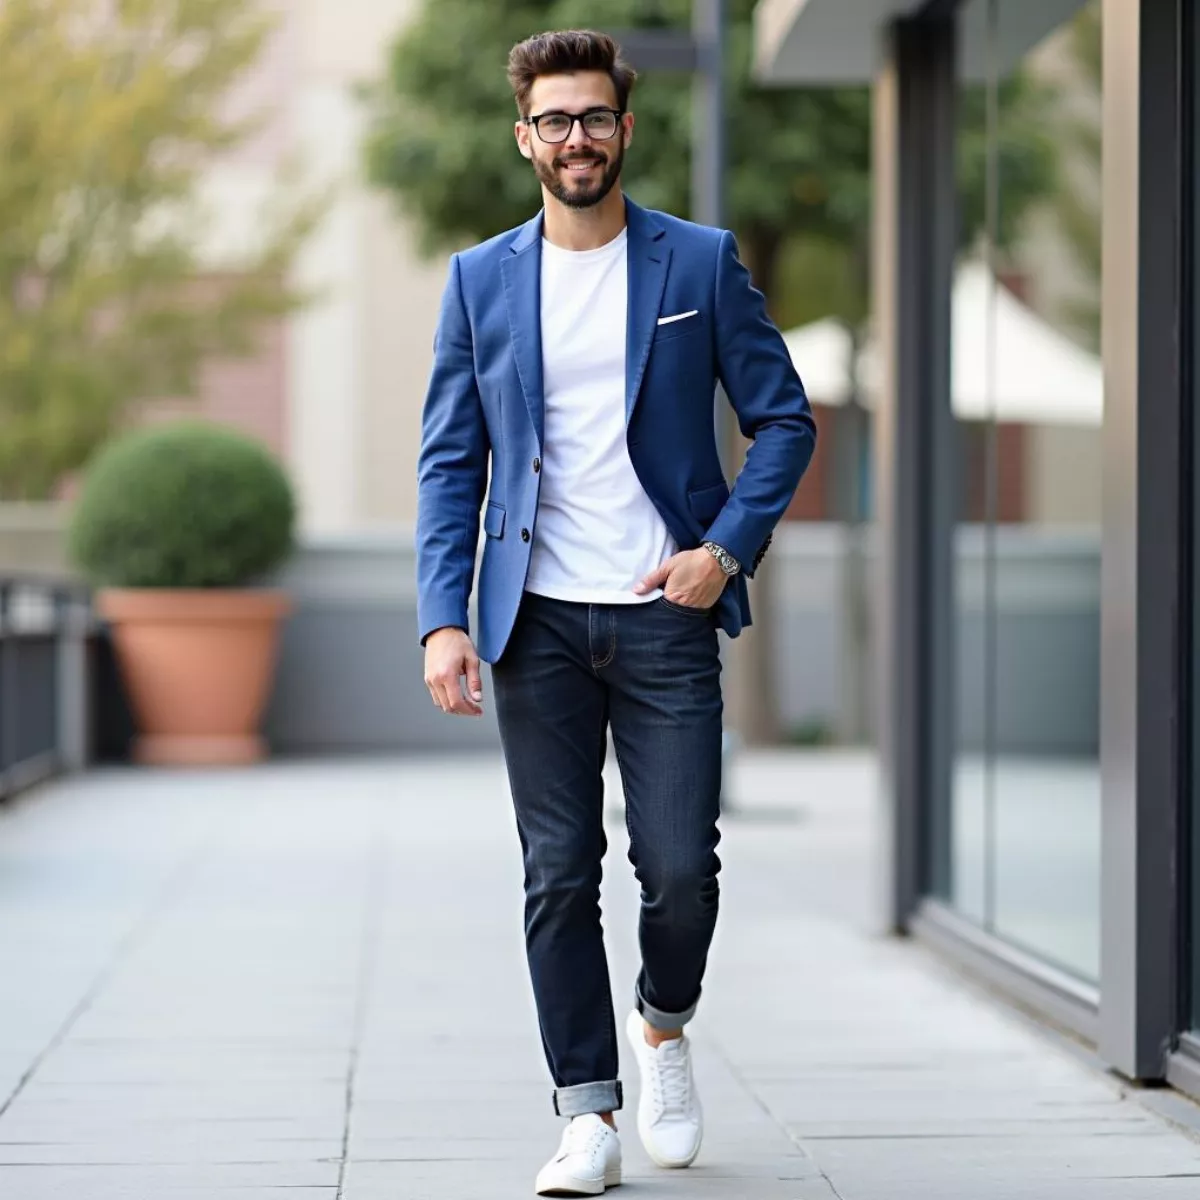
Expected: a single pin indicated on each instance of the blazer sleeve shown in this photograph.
(451, 470)
(755, 368)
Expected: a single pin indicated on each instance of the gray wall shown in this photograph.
(1039, 671)
(31, 538)
(350, 670)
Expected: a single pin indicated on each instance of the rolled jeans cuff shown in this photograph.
(602, 1097)
(664, 1022)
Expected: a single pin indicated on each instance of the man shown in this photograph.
(579, 355)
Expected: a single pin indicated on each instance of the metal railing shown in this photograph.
(44, 626)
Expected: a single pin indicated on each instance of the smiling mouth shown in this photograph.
(579, 166)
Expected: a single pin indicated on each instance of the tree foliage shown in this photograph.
(799, 158)
(441, 135)
(109, 116)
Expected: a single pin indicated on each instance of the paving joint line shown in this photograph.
(766, 1109)
(369, 940)
(166, 895)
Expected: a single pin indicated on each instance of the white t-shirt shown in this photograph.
(597, 532)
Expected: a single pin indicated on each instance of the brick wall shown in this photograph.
(1011, 463)
(811, 501)
(249, 394)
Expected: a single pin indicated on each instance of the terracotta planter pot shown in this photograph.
(197, 666)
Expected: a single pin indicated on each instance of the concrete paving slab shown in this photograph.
(225, 978)
(90, 1179)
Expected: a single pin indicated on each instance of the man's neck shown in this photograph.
(584, 228)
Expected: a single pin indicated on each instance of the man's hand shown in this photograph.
(692, 578)
(449, 655)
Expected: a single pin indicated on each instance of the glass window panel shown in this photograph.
(1025, 838)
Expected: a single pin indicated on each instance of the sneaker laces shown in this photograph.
(579, 1137)
(672, 1081)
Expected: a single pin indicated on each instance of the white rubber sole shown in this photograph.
(549, 1184)
(667, 1164)
(636, 1033)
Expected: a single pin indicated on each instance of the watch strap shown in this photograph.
(725, 560)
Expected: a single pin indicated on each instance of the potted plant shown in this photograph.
(177, 526)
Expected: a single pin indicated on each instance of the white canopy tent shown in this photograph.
(1040, 376)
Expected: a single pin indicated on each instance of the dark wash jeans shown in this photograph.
(652, 673)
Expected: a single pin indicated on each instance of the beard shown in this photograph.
(574, 193)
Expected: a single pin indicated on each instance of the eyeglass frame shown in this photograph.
(579, 118)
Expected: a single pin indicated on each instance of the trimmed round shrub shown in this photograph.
(185, 505)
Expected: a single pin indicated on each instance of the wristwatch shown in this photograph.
(727, 562)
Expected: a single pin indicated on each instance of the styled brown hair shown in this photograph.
(565, 52)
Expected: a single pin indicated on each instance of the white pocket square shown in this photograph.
(677, 317)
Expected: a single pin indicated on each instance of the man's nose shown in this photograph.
(577, 139)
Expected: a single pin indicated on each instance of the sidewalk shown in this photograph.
(309, 981)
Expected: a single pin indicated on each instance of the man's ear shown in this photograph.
(627, 122)
(521, 130)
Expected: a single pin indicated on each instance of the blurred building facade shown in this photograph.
(1017, 559)
(337, 389)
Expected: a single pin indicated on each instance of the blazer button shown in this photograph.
(537, 465)
(524, 535)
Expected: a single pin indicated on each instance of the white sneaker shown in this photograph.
(587, 1162)
(670, 1120)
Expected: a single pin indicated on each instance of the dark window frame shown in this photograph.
(1151, 649)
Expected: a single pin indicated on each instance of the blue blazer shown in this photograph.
(484, 407)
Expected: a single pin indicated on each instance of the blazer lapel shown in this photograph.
(522, 276)
(649, 257)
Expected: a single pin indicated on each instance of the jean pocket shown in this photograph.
(683, 609)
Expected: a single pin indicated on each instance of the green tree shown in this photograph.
(799, 158)
(109, 117)
(441, 136)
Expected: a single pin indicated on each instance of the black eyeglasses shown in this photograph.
(599, 124)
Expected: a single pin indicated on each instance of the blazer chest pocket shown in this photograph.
(684, 327)
(493, 520)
